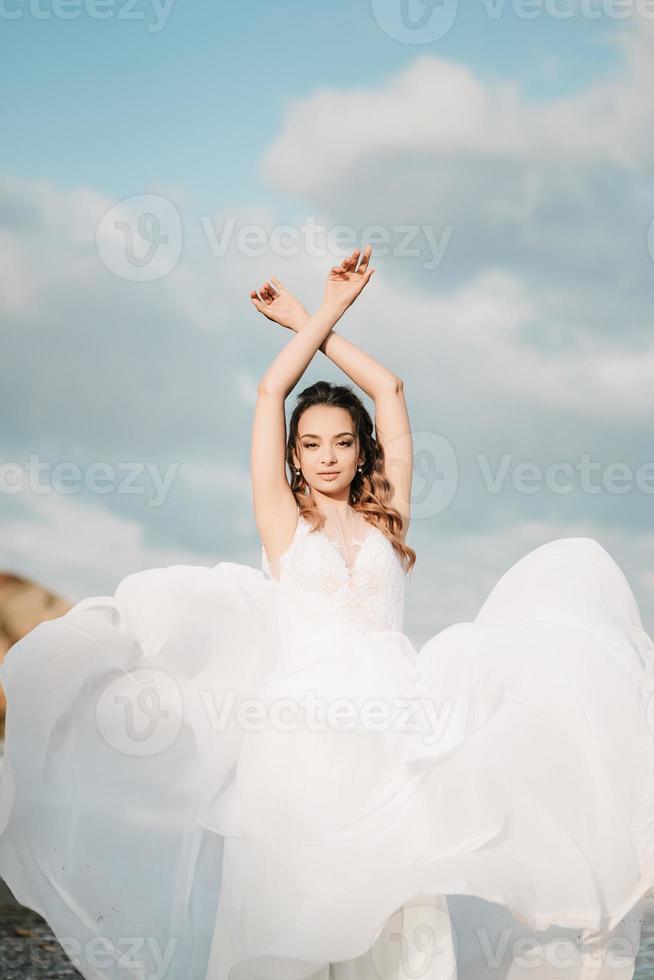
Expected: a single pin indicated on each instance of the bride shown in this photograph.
(226, 773)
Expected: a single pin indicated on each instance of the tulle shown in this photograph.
(174, 803)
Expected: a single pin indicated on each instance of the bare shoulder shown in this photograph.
(276, 521)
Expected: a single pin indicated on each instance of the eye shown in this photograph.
(310, 445)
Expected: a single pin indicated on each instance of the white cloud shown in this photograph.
(78, 548)
(543, 297)
(511, 337)
(16, 286)
(467, 342)
(205, 476)
(439, 106)
(455, 573)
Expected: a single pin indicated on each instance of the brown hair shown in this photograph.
(371, 489)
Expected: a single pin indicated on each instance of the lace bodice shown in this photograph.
(371, 592)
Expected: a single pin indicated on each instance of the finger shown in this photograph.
(254, 296)
(365, 259)
(350, 263)
(278, 284)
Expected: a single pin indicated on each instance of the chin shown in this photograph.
(329, 489)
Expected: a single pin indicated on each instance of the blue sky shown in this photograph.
(121, 105)
(523, 145)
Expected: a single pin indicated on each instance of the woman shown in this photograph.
(227, 773)
(331, 468)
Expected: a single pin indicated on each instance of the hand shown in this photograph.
(279, 305)
(345, 281)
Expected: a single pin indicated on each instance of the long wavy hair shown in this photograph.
(370, 490)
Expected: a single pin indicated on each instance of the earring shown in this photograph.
(360, 469)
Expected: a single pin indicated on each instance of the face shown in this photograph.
(327, 444)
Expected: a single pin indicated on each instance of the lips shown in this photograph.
(330, 473)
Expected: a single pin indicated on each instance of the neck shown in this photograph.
(337, 506)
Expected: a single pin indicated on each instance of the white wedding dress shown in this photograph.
(217, 774)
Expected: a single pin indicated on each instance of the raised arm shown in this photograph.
(392, 424)
(274, 504)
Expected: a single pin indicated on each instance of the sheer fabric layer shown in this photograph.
(143, 797)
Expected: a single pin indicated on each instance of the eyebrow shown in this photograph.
(312, 435)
